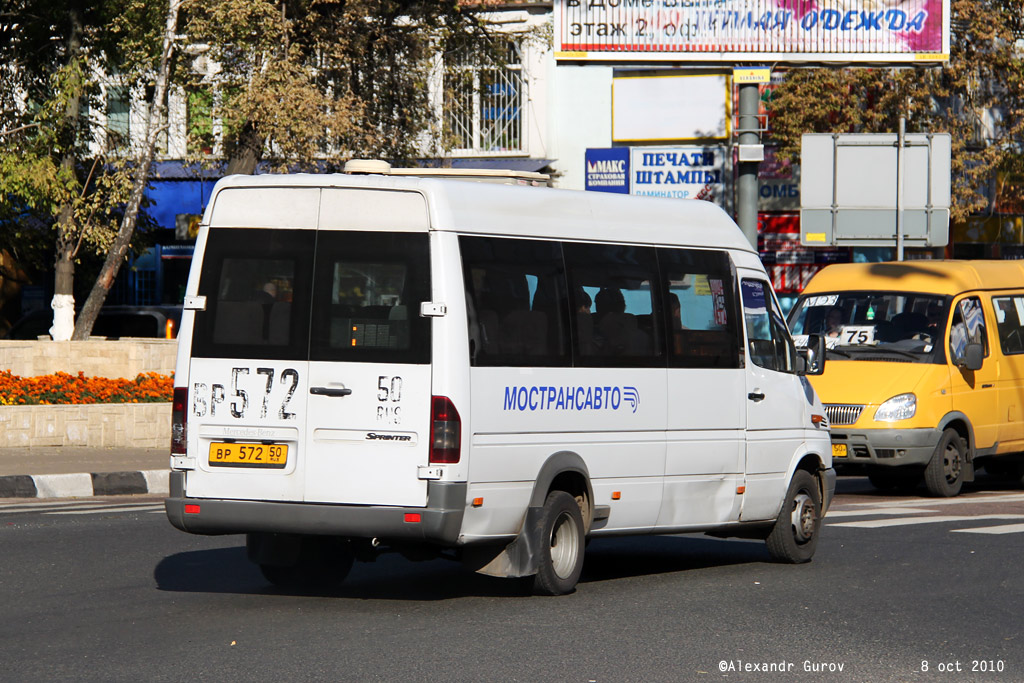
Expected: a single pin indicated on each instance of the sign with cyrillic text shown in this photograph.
(769, 31)
(679, 172)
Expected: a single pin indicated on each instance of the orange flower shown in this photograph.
(63, 388)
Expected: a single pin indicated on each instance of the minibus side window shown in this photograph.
(700, 294)
(767, 336)
(616, 305)
(968, 327)
(1009, 316)
(256, 283)
(368, 287)
(517, 306)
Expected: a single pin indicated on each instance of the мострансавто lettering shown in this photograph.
(571, 398)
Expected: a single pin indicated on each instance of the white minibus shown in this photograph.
(487, 372)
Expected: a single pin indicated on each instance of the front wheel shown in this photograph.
(944, 475)
(559, 530)
(794, 536)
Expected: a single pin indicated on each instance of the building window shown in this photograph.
(483, 103)
(118, 110)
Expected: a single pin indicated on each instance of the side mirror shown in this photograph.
(973, 358)
(813, 355)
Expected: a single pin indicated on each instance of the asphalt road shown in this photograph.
(93, 591)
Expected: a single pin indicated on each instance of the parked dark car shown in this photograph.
(113, 322)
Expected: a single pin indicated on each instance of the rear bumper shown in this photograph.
(439, 522)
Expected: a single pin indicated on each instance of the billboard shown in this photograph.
(668, 107)
(730, 31)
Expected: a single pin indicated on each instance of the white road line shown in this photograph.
(46, 508)
(124, 508)
(962, 500)
(47, 503)
(903, 521)
(875, 511)
(1003, 529)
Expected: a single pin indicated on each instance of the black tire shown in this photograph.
(560, 544)
(322, 564)
(794, 536)
(944, 475)
(901, 479)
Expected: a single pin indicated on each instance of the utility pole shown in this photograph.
(750, 152)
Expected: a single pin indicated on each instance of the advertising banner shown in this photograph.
(849, 31)
(679, 172)
(790, 264)
(607, 170)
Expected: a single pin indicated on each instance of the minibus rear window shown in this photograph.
(256, 283)
(368, 287)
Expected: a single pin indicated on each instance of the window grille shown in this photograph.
(484, 103)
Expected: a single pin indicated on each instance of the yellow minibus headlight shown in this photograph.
(900, 407)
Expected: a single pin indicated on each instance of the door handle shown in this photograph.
(329, 391)
(755, 396)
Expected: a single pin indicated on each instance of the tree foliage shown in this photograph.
(58, 167)
(303, 81)
(977, 97)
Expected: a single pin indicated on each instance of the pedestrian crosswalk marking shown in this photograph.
(71, 507)
(48, 508)
(875, 511)
(1003, 529)
(45, 503)
(118, 508)
(962, 500)
(902, 521)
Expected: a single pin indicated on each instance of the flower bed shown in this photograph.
(62, 388)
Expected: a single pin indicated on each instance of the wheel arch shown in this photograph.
(565, 471)
(962, 424)
(562, 471)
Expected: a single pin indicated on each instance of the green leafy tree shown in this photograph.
(977, 97)
(57, 166)
(304, 82)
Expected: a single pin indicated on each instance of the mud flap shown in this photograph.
(518, 558)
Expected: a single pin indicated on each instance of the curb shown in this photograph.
(84, 484)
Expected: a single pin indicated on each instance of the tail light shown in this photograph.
(445, 431)
(179, 421)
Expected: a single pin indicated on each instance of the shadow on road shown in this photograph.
(392, 577)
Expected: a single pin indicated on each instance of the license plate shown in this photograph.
(269, 455)
(839, 450)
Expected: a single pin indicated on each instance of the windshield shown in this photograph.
(888, 326)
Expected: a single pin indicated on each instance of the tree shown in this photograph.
(140, 174)
(308, 82)
(977, 97)
(56, 164)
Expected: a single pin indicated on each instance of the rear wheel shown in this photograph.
(794, 536)
(301, 563)
(944, 475)
(559, 531)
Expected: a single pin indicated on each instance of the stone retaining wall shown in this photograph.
(100, 425)
(126, 358)
(104, 425)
